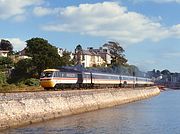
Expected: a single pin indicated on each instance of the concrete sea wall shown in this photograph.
(25, 108)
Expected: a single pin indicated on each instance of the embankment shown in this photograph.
(25, 108)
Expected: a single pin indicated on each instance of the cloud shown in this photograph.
(166, 1)
(13, 8)
(156, 1)
(17, 43)
(175, 30)
(41, 11)
(172, 55)
(107, 19)
(19, 18)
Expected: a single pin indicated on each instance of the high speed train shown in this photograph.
(68, 78)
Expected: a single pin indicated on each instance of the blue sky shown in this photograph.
(149, 30)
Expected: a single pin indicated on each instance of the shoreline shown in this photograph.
(17, 109)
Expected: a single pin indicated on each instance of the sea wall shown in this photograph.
(25, 108)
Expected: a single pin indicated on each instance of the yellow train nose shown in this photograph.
(47, 83)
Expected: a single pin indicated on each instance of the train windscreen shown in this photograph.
(47, 74)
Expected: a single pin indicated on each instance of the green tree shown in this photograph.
(78, 54)
(118, 58)
(6, 45)
(23, 70)
(5, 63)
(66, 58)
(43, 54)
(24, 67)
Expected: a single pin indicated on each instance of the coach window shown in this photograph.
(63, 75)
(59, 74)
(55, 74)
(70, 75)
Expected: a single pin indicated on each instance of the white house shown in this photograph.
(60, 51)
(95, 57)
(4, 53)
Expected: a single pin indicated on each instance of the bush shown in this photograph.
(32, 82)
(2, 78)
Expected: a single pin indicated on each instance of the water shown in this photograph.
(158, 115)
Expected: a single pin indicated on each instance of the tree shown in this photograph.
(6, 45)
(23, 67)
(78, 54)
(66, 58)
(5, 63)
(165, 72)
(118, 58)
(23, 70)
(158, 73)
(43, 54)
(133, 70)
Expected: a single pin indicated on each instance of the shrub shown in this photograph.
(32, 82)
(2, 78)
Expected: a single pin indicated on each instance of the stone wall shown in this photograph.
(25, 108)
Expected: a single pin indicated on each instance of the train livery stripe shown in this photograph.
(65, 78)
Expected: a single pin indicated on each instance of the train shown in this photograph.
(73, 79)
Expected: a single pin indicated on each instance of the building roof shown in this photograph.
(4, 51)
(86, 52)
(94, 52)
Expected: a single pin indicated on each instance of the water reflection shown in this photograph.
(158, 115)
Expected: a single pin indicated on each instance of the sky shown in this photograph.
(148, 30)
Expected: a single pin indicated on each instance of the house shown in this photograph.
(93, 57)
(22, 55)
(4, 53)
(60, 51)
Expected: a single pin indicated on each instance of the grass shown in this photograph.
(9, 88)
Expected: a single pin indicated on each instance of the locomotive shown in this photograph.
(69, 78)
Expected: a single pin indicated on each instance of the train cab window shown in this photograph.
(47, 74)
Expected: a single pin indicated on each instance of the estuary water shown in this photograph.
(157, 115)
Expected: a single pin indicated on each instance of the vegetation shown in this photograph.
(121, 69)
(2, 78)
(32, 82)
(118, 58)
(43, 54)
(66, 59)
(119, 62)
(23, 70)
(25, 73)
(78, 53)
(5, 63)
(6, 45)
(18, 88)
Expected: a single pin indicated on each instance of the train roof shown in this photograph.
(105, 74)
(63, 70)
(50, 70)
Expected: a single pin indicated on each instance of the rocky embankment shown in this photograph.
(25, 108)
